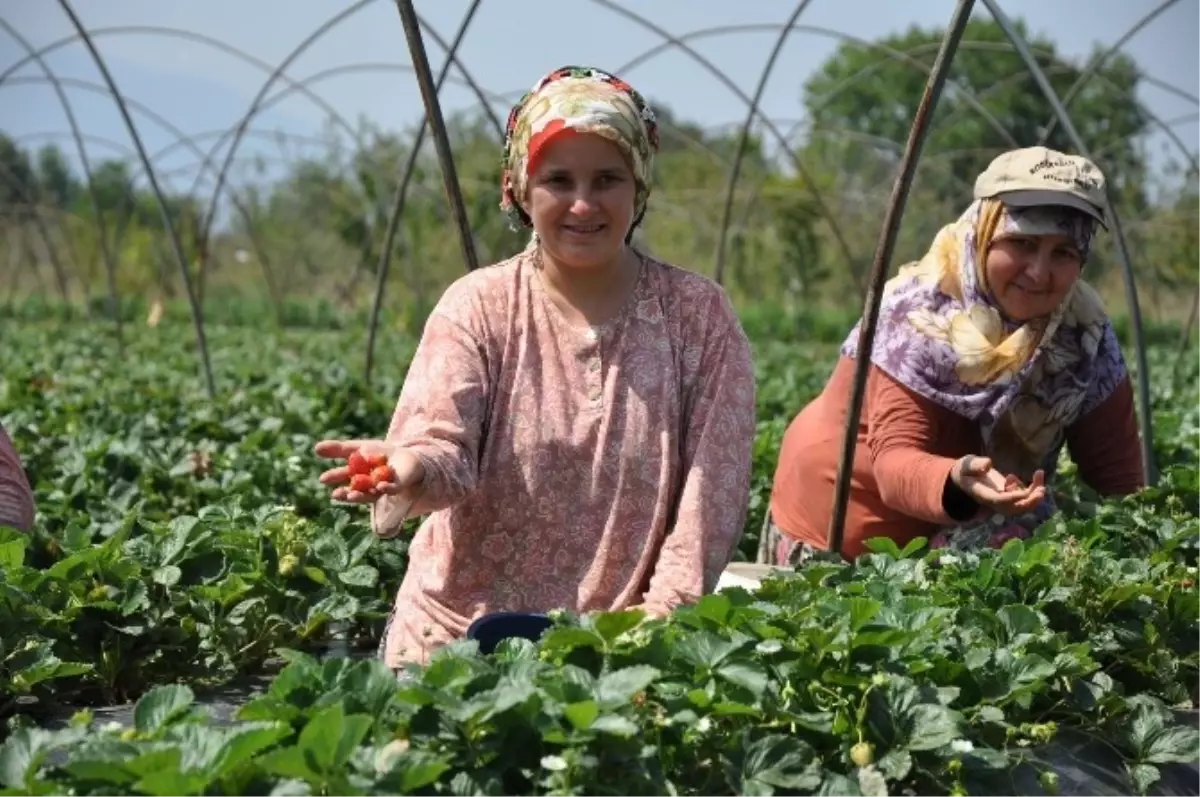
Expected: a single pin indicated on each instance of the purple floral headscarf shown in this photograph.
(942, 335)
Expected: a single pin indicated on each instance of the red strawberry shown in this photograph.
(361, 483)
(376, 460)
(358, 464)
(382, 474)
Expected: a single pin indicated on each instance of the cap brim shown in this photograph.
(1034, 198)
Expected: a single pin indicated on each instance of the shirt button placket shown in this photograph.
(595, 384)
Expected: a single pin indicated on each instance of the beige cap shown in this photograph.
(1042, 176)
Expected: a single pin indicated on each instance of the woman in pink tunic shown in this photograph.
(577, 421)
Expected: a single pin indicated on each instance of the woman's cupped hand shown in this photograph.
(370, 470)
(1001, 493)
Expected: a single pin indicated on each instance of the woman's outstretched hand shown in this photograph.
(976, 477)
(402, 473)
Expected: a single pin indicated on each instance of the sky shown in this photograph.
(198, 89)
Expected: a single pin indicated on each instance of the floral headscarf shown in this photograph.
(942, 335)
(586, 100)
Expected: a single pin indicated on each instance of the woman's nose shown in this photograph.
(1037, 268)
(581, 203)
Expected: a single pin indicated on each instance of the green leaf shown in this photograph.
(1143, 776)
(838, 785)
(618, 687)
(290, 762)
(12, 554)
(1177, 744)
(414, 771)
(884, 545)
(360, 576)
(1018, 619)
(610, 625)
(168, 575)
(862, 611)
(781, 762)
(616, 725)
(331, 736)
(714, 606)
(582, 714)
(159, 706)
(330, 549)
(705, 648)
(316, 574)
(746, 674)
(21, 756)
(991, 714)
(933, 726)
(895, 764)
(166, 782)
(338, 606)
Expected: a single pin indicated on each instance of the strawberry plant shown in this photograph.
(183, 543)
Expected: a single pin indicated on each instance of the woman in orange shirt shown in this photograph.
(989, 356)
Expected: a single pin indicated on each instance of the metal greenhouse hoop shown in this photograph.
(197, 319)
(883, 256)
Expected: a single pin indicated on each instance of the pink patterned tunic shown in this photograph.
(566, 467)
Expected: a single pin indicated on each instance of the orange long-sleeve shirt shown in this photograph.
(906, 447)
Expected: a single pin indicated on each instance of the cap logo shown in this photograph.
(1075, 176)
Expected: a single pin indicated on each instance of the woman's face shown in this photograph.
(1029, 275)
(581, 198)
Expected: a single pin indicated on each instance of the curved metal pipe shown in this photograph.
(476, 89)
(892, 55)
(723, 30)
(131, 104)
(744, 137)
(179, 136)
(61, 135)
(1099, 61)
(240, 127)
(110, 266)
(904, 56)
(308, 81)
(1135, 311)
(846, 133)
(193, 140)
(450, 178)
(176, 245)
(15, 242)
(810, 184)
(218, 44)
(437, 126)
(235, 142)
(1165, 126)
(60, 274)
(883, 257)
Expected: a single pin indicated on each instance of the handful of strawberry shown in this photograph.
(368, 471)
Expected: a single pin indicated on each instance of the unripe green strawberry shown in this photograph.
(863, 754)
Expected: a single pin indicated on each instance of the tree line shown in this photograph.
(802, 225)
